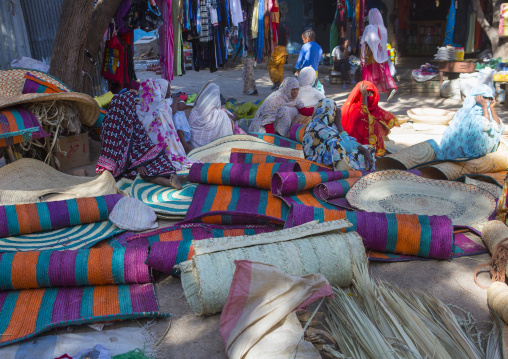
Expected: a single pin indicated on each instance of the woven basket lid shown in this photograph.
(431, 116)
(407, 158)
(405, 193)
(11, 88)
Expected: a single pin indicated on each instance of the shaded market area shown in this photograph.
(253, 179)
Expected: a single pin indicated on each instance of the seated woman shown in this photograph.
(155, 110)
(126, 148)
(326, 142)
(279, 110)
(475, 130)
(308, 93)
(341, 61)
(208, 120)
(363, 119)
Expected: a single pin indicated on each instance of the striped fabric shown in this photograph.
(297, 132)
(27, 313)
(18, 125)
(46, 216)
(257, 175)
(408, 234)
(284, 183)
(306, 198)
(165, 201)
(102, 266)
(83, 236)
(33, 84)
(334, 189)
(214, 204)
(251, 156)
(277, 140)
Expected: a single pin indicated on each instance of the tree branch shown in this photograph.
(480, 16)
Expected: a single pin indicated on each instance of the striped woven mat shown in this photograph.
(165, 201)
(18, 125)
(214, 204)
(27, 313)
(82, 236)
(46, 216)
(277, 140)
(284, 183)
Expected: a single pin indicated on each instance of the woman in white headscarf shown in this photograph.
(375, 56)
(308, 94)
(208, 120)
(156, 114)
(279, 110)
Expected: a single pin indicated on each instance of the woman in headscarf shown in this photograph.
(308, 94)
(155, 111)
(475, 130)
(363, 119)
(375, 56)
(326, 142)
(126, 148)
(278, 111)
(208, 120)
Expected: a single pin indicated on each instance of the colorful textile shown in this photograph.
(27, 313)
(235, 205)
(423, 236)
(323, 143)
(252, 156)
(33, 84)
(167, 40)
(276, 64)
(277, 140)
(297, 132)
(503, 20)
(156, 115)
(470, 135)
(371, 124)
(101, 266)
(126, 145)
(306, 198)
(257, 175)
(82, 236)
(334, 189)
(278, 109)
(172, 246)
(18, 125)
(46, 216)
(378, 74)
(163, 200)
(284, 183)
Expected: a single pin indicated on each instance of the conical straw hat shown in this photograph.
(11, 88)
(28, 180)
(407, 158)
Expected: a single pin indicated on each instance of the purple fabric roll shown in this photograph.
(135, 269)
(61, 269)
(334, 189)
(59, 214)
(162, 256)
(67, 305)
(143, 298)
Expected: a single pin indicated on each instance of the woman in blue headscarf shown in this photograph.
(475, 129)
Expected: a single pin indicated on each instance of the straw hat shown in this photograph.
(431, 116)
(11, 88)
(28, 180)
(405, 193)
(407, 158)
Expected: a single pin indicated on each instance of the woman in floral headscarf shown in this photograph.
(155, 112)
(278, 111)
(326, 142)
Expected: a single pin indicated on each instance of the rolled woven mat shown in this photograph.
(308, 249)
(334, 189)
(493, 162)
(28, 181)
(251, 156)
(423, 236)
(27, 270)
(277, 140)
(45, 216)
(284, 183)
(492, 234)
(497, 297)
(256, 175)
(297, 132)
(407, 158)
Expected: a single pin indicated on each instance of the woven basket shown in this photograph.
(308, 249)
(493, 162)
(431, 116)
(28, 180)
(11, 87)
(407, 158)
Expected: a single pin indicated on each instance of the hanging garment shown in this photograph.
(404, 8)
(236, 12)
(177, 34)
(461, 22)
(503, 21)
(166, 40)
(471, 31)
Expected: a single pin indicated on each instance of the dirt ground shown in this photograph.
(451, 281)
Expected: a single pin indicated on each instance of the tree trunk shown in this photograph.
(499, 45)
(68, 56)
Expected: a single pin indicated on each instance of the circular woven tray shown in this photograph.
(405, 193)
(430, 116)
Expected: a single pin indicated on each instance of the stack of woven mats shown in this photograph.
(51, 277)
(238, 193)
